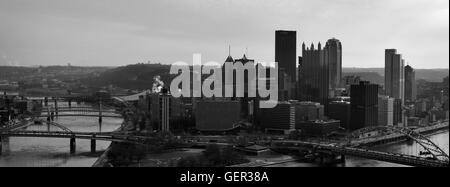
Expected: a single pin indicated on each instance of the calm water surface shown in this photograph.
(54, 152)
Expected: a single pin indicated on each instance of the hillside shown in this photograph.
(432, 75)
(137, 76)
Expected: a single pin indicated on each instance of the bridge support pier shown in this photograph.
(342, 159)
(93, 145)
(1, 145)
(100, 114)
(52, 116)
(56, 106)
(72, 145)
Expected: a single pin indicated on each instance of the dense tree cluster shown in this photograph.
(214, 156)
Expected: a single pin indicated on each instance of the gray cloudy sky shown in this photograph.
(119, 32)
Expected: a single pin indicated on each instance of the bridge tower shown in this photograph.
(72, 145)
(1, 145)
(48, 115)
(343, 159)
(100, 112)
(93, 144)
(56, 105)
(52, 116)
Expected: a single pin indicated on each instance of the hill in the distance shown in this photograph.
(137, 76)
(431, 75)
(140, 76)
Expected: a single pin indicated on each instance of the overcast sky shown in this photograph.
(120, 32)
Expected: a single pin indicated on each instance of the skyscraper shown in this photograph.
(245, 100)
(410, 84)
(286, 52)
(279, 119)
(314, 82)
(364, 105)
(394, 75)
(333, 55)
(385, 111)
(164, 103)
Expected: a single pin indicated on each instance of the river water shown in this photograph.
(55, 152)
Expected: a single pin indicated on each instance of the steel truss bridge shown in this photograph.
(411, 134)
(361, 153)
(439, 158)
(19, 130)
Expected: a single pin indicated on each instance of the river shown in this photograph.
(54, 152)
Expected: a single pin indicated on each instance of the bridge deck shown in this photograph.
(363, 153)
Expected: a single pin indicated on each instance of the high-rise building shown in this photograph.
(163, 110)
(164, 104)
(321, 72)
(285, 86)
(398, 112)
(410, 84)
(279, 119)
(307, 111)
(385, 111)
(318, 128)
(314, 82)
(286, 52)
(394, 75)
(364, 105)
(340, 110)
(333, 55)
(214, 116)
(245, 110)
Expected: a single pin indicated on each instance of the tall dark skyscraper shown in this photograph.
(364, 105)
(333, 55)
(286, 52)
(314, 82)
(394, 75)
(410, 84)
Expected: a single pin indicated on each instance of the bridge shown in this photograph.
(323, 150)
(439, 158)
(50, 112)
(83, 115)
(19, 130)
(18, 127)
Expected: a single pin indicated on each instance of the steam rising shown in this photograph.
(157, 84)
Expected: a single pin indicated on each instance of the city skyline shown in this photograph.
(92, 34)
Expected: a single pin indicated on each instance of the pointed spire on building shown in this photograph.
(229, 58)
